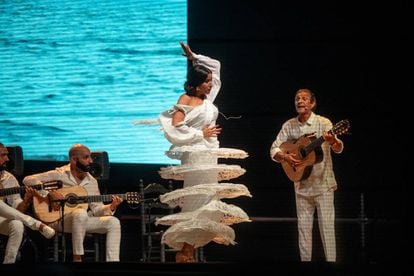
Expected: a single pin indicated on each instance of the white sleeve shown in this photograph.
(41, 178)
(11, 182)
(181, 134)
(281, 137)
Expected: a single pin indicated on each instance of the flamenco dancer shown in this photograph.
(190, 126)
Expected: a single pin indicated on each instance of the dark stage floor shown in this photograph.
(245, 268)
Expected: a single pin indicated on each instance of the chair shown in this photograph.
(28, 250)
(94, 245)
(151, 209)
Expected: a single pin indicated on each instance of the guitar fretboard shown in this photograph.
(17, 190)
(97, 198)
(318, 142)
(312, 146)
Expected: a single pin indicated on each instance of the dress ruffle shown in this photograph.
(215, 210)
(224, 172)
(198, 232)
(215, 190)
(177, 152)
(203, 217)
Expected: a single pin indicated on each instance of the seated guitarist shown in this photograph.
(316, 191)
(12, 209)
(79, 221)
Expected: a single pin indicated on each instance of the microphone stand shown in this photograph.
(62, 222)
(62, 203)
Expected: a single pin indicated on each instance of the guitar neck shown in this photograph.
(18, 190)
(98, 198)
(312, 146)
(315, 143)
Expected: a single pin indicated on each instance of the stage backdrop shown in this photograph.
(82, 72)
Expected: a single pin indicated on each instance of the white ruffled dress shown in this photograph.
(203, 217)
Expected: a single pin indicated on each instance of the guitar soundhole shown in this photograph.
(302, 152)
(71, 200)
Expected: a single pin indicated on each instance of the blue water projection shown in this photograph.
(80, 71)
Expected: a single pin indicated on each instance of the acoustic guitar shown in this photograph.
(308, 149)
(74, 197)
(52, 185)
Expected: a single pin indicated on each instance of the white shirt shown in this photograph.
(322, 177)
(65, 175)
(190, 131)
(7, 180)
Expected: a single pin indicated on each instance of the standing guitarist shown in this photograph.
(316, 191)
(79, 221)
(12, 209)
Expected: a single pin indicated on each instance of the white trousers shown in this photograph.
(11, 225)
(78, 222)
(305, 209)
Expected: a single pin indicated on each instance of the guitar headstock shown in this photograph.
(52, 185)
(133, 198)
(341, 127)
